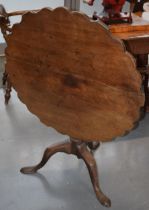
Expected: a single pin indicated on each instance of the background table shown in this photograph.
(136, 39)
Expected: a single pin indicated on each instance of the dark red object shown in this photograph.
(113, 8)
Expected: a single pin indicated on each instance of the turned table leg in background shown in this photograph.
(142, 62)
(8, 87)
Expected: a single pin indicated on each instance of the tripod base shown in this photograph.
(81, 150)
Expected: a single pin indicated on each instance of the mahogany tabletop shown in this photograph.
(59, 65)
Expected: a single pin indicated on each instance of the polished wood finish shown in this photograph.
(135, 35)
(137, 28)
(59, 64)
(136, 39)
(81, 150)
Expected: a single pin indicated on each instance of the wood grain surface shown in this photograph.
(73, 75)
(138, 29)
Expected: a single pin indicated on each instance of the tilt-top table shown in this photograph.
(75, 77)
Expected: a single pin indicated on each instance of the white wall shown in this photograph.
(90, 9)
(13, 5)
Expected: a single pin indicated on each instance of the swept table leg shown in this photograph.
(63, 147)
(92, 168)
